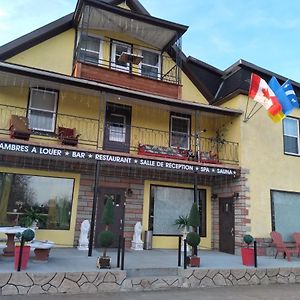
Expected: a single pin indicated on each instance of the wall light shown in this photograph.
(236, 196)
(128, 193)
(214, 197)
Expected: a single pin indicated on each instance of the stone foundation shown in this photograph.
(116, 281)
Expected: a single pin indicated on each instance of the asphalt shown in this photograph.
(155, 261)
(274, 292)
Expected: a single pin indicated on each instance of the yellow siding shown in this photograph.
(59, 237)
(172, 242)
(55, 54)
(262, 154)
(190, 92)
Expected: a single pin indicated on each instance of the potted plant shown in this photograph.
(248, 253)
(31, 218)
(106, 237)
(183, 226)
(22, 251)
(193, 238)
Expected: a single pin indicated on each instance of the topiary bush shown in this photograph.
(108, 215)
(106, 238)
(194, 217)
(248, 239)
(28, 235)
(193, 239)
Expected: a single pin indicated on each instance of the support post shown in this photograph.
(21, 254)
(255, 254)
(184, 254)
(119, 252)
(91, 239)
(179, 251)
(123, 253)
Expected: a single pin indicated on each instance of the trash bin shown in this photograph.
(148, 240)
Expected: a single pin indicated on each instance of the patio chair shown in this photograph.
(282, 247)
(19, 128)
(296, 237)
(68, 136)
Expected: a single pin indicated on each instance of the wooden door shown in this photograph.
(117, 128)
(118, 196)
(226, 224)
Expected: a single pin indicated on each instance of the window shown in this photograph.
(291, 136)
(42, 109)
(90, 49)
(117, 49)
(150, 64)
(285, 213)
(117, 128)
(168, 203)
(49, 196)
(180, 131)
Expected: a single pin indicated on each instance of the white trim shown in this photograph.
(53, 112)
(159, 62)
(100, 52)
(172, 131)
(297, 136)
(114, 64)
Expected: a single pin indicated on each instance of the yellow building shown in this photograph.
(103, 102)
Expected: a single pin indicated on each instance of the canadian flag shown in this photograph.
(261, 92)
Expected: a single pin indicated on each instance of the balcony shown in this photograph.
(141, 141)
(133, 68)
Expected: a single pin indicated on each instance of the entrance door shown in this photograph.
(117, 128)
(226, 220)
(118, 196)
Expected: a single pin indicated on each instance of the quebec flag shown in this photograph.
(290, 93)
(285, 102)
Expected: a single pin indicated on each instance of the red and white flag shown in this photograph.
(261, 92)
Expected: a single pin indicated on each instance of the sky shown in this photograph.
(263, 32)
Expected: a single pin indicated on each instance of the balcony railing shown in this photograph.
(94, 135)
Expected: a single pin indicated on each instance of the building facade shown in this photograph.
(103, 103)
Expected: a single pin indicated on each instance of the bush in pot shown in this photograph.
(106, 237)
(248, 253)
(193, 238)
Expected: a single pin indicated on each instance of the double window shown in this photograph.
(291, 136)
(117, 48)
(42, 109)
(180, 130)
(90, 49)
(150, 64)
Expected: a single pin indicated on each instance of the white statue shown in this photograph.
(137, 243)
(83, 238)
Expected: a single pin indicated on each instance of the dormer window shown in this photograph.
(90, 49)
(117, 48)
(150, 64)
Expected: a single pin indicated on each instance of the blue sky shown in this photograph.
(220, 32)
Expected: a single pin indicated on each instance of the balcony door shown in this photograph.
(117, 128)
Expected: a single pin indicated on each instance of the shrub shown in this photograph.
(194, 216)
(106, 238)
(108, 214)
(193, 239)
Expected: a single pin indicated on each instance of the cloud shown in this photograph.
(2, 13)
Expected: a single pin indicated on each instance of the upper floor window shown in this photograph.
(180, 130)
(150, 64)
(90, 49)
(117, 48)
(42, 109)
(291, 136)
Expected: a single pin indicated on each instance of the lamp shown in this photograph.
(128, 193)
(214, 197)
(235, 196)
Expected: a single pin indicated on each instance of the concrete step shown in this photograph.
(152, 272)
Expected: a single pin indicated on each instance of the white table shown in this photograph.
(10, 243)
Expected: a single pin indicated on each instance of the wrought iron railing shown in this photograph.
(94, 133)
(165, 69)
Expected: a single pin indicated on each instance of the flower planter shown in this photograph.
(194, 261)
(247, 256)
(103, 262)
(25, 257)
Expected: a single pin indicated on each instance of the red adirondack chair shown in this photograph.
(282, 247)
(296, 237)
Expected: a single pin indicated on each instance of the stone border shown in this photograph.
(116, 281)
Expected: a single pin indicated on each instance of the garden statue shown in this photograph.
(137, 243)
(83, 238)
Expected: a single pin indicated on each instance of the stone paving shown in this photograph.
(84, 277)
